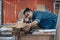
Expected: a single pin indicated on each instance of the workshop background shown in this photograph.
(11, 8)
(11, 11)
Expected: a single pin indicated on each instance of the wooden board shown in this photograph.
(58, 27)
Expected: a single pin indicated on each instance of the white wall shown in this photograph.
(0, 12)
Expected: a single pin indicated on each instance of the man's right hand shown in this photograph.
(26, 28)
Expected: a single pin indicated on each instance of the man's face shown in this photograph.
(28, 14)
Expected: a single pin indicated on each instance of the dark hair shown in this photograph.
(27, 10)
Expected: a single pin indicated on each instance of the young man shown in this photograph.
(45, 20)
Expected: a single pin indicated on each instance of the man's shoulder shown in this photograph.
(37, 11)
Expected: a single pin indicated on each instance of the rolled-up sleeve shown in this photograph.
(38, 18)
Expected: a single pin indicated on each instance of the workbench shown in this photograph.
(41, 36)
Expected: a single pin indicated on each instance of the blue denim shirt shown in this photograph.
(45, 20)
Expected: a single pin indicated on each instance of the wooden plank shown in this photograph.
(58, 27)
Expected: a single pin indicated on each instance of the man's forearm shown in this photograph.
(34, 23)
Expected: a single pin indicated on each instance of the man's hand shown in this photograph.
(27, 27)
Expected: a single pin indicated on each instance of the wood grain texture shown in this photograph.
(37, 37)
(11, 8)
(58, 27)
